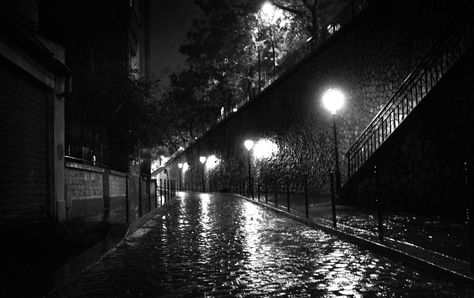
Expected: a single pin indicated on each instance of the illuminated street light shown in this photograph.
(248, 144)
(333, 100)
(202, 160)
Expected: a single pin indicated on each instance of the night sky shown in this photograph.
(170, 21)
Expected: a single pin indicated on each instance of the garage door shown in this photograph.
(24, 161)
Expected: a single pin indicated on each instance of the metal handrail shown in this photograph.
(436, 63)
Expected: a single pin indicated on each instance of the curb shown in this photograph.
(378, 247)
(98, 252)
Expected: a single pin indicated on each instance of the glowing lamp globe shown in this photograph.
(180, 165)
(333, 100)
(202, 159)
(248, 144)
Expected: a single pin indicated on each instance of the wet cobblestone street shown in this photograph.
(220, 245)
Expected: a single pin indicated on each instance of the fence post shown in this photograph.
(333, 201)
(306, 203)
(378, 202)
(469, 210)
(288, 193)
(127, 201)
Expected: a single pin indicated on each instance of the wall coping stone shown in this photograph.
(82, 167)
(117, 173)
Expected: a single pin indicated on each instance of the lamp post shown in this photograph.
(333, 100)
(180, 166)
(249, 145)
(202, 160)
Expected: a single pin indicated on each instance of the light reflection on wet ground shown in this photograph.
(219, 245)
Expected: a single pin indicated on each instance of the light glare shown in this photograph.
(180, 165)
(265, 148)
(202, 159)
(212, 162)
(333, 100)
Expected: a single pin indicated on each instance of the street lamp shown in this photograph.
(180, 166)
(333, 100)
(202, 160)
(249, 145)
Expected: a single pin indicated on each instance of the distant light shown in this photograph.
(180, 165)
(248, 144)
(268, 10)
(180, 148)
(333, 100)
(264, 148)
(211, 162)
(234, 110)
(202, 159)
(185, 167)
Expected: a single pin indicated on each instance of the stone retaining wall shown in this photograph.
(368, 60)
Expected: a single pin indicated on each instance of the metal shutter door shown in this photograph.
(24, 161)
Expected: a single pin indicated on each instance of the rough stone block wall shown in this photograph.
(84, 189)
(368, 60)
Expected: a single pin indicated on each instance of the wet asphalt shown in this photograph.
(220, 245)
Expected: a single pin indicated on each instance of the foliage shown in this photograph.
(232, 51)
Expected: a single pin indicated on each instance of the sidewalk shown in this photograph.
(433, 242)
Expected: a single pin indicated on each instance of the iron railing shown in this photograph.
(437, 62)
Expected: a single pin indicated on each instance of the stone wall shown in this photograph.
(84, 189)
(93, 190)
(368, 60)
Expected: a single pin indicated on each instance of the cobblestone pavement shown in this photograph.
(433, 232)
(221, 245)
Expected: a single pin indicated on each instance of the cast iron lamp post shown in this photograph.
(333, 100)
(202, 160)
(249, 145)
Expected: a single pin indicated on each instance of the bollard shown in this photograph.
(288, 193)
(148, 193)
(127, 202)
(156, 194)
(139, 196)
(306, 203)
(251, 189)
(266, 193)
(333, 201)
(378, 202)
(161, 192)
(468, 187)
(276, 194)
(258, 189)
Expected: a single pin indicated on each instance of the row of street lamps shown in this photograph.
(333, 100)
